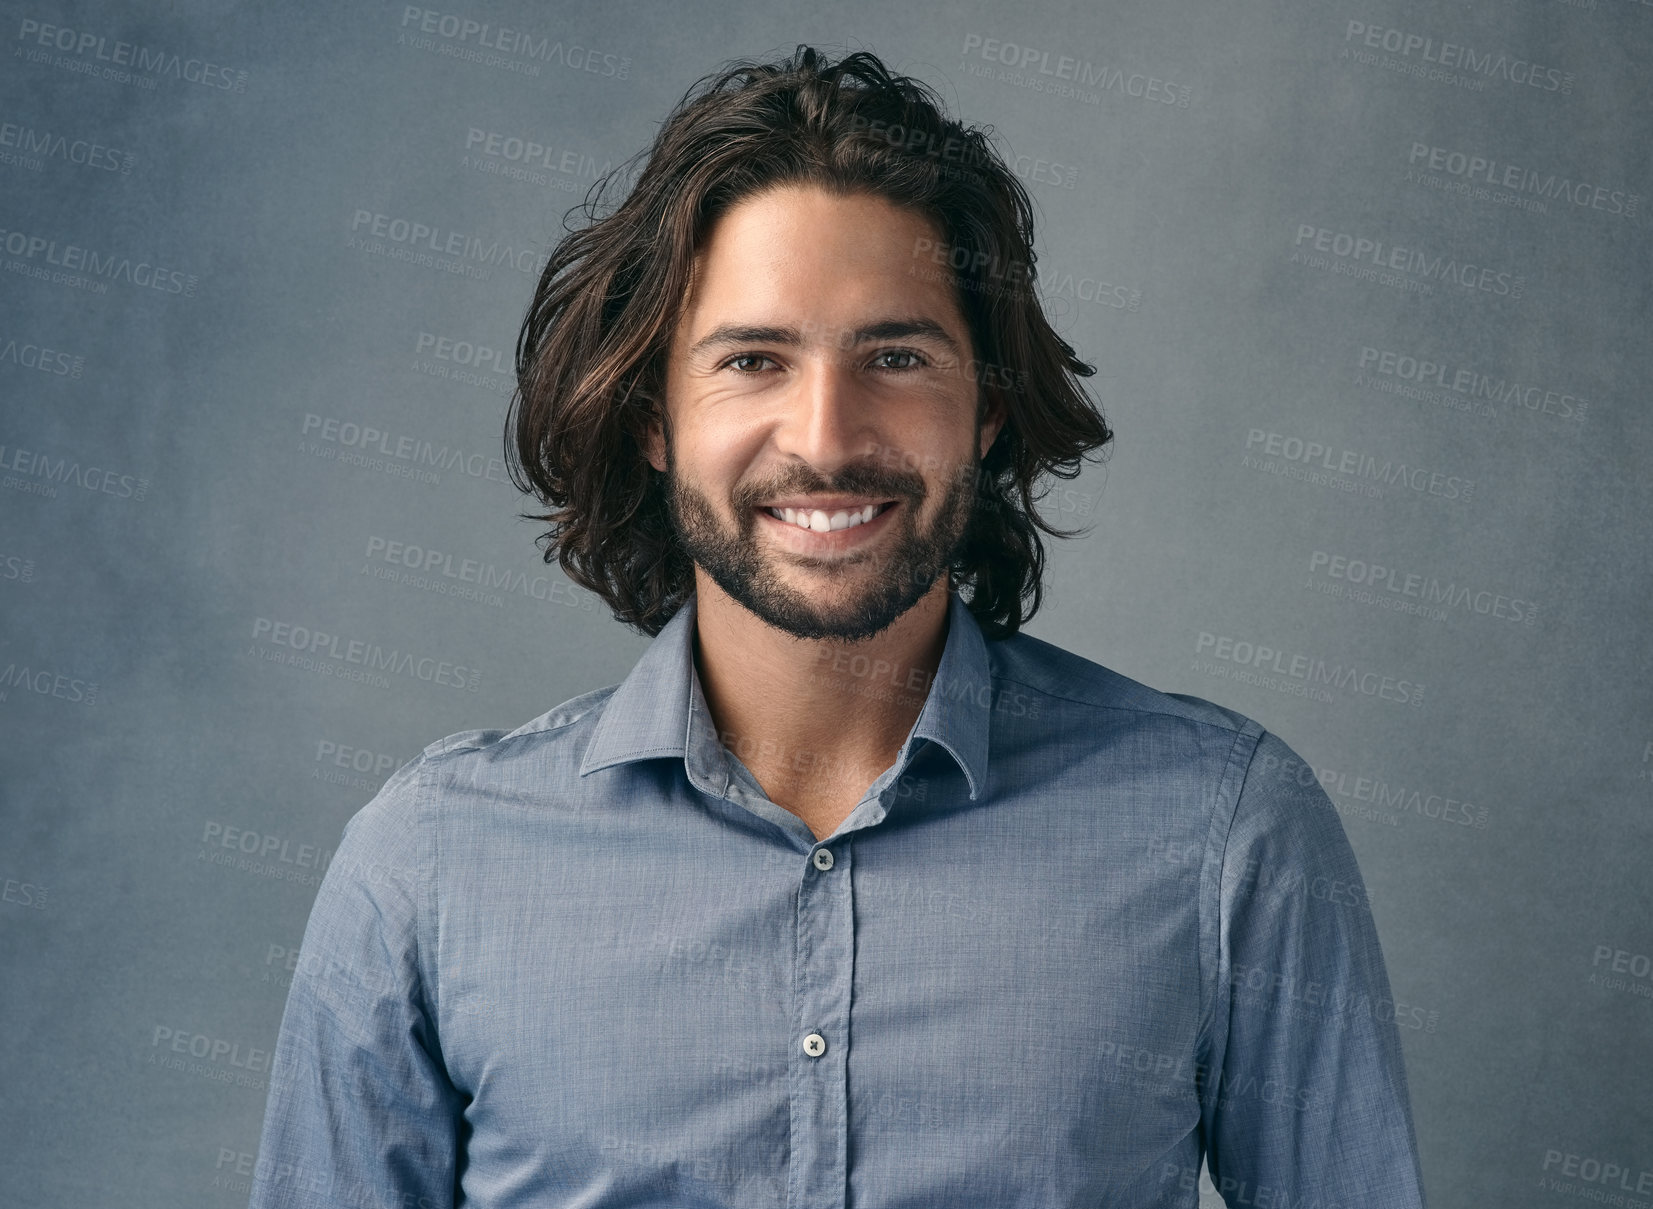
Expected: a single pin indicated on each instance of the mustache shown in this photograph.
(870, 480)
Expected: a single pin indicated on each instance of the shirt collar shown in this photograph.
(659, 709)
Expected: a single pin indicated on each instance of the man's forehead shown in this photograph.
(801, 265)
(842, 313)
(762, 242)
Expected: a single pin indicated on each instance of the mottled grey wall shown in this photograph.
(1367, 285)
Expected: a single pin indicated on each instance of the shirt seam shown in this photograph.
(1231, 764)
(429, 900)
(1124, 709)
(644, 754)
(510, 736)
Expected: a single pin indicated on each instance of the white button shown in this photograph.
(823, 858)
(814, 1045)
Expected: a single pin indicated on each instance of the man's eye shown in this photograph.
(914, 363)
(736, 361)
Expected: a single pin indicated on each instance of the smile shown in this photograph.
(818, 533)
(820, 521)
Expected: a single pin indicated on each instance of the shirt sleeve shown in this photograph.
(1304, 1101)
(360, 1111)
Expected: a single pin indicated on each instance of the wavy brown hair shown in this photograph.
(591, 356)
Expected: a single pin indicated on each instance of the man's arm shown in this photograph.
(1306, 1092)
(360, 1110)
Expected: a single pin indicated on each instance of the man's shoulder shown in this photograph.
(1071, 680)
(1248, 773)
(560, 724)
(486, 755)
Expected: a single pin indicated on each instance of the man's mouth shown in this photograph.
(822, 520)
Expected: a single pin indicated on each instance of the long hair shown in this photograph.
(591, 355)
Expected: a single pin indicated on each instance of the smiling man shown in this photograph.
(810, 352)
(851, 893)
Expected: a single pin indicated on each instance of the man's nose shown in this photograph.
(829, 416)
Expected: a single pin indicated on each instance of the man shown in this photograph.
(850, 893)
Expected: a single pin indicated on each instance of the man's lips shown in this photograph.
(827, 503)
(816, 522)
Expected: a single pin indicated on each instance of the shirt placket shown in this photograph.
(819, 1177)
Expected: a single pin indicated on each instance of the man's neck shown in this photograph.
(815, 721)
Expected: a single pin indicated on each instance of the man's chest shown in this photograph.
(1020, 1005)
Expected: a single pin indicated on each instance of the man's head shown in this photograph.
(818, 293)
(814, 372)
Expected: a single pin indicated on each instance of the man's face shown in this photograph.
(822, 364)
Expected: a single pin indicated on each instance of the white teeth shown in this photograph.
(820, 522)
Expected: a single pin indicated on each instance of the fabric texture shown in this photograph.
(1081, 935)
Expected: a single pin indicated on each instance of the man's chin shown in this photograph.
(804, 607)
(816, 628)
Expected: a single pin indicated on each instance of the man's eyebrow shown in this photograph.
(726, 334)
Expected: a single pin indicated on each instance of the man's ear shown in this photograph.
(992, 422)
(654, 442)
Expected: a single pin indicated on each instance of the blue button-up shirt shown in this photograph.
(1079, 935)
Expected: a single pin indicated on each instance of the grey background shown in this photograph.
(171, 499)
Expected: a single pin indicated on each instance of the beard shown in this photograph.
(893, 578)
